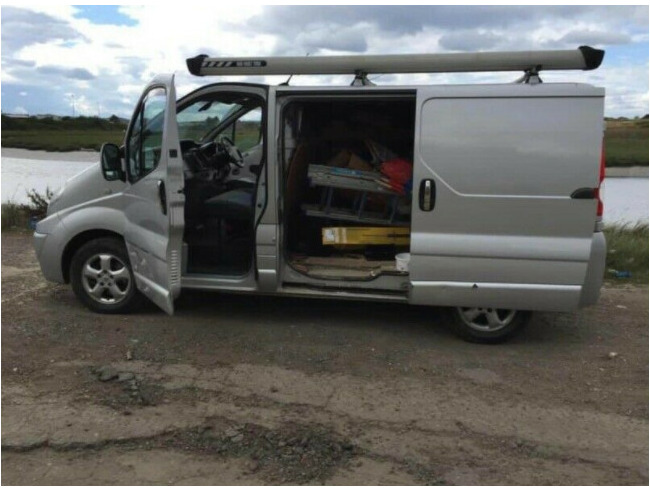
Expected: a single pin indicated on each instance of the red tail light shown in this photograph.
(597, 195)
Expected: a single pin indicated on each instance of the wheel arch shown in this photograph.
(78, 241)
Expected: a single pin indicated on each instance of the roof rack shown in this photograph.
(583, 58)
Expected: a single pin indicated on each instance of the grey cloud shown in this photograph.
(595, 37)
(468, 41)
(335, 39)
(401, 20)
(26, 63)
(301, 29)
(73, 73)
(22, 27)
(134, 66)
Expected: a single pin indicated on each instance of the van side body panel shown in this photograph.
(504, 231)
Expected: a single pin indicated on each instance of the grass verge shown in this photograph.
(15, 216)
(627, 251)
(626, 143)
(19, 216)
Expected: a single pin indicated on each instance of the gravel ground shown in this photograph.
(253, 390)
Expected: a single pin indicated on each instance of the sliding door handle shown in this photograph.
(427, 196)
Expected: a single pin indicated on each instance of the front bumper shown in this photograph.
(49, 249)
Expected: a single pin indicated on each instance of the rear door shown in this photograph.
(493, 220)
(153, 203)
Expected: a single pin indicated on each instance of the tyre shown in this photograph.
(102, 279)
(487, 325)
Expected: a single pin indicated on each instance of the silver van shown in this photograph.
(488, 195)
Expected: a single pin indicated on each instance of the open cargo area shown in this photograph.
(348, 166)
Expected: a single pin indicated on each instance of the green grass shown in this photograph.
(54, 140)
(15, 216)
(67, 134)
(18, 216)
(627, 250)
(626, 143)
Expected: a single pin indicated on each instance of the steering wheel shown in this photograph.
(235, 155)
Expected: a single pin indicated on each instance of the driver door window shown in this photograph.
(247, 130)
(145, 140)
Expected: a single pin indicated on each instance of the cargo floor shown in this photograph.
(348, 266)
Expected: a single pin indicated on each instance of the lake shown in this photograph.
(626, 199)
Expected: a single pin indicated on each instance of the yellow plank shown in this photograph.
(366, 235)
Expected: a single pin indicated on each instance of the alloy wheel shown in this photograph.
(106, 279)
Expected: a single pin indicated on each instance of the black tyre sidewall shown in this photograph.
(112, 246)
(468, 333)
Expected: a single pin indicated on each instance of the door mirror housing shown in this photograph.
(111, 158)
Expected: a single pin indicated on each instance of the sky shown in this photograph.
(99, 58)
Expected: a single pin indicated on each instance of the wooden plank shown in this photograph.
(344, 267)
(366, 235)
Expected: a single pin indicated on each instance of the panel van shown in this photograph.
(483, 198)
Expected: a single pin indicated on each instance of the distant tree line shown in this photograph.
(64, 123)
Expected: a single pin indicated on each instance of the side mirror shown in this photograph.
(111, 162)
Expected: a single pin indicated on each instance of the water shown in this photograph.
(626, 199)
(24, 170)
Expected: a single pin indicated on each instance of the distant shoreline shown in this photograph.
(626, 172)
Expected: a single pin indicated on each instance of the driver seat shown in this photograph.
(235, 204)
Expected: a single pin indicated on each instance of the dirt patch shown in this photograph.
(289, 454)
(247, 390)
(295, 454)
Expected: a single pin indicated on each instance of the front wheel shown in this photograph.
(487, 325)
(102, 278)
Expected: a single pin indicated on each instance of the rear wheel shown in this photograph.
(488, 325)
(102, 278)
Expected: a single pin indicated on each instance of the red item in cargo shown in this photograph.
(398, 170)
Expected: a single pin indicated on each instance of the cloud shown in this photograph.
(25, 63)
(468, 41)
(595, 37)
(346, 39)
(319, 37)
(74, 73)
(132, 65)
(109, 64)
(22, 27)
(402, 20)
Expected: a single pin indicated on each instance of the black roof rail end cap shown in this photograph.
(194, 64)
(593, 57)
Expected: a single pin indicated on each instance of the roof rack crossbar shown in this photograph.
(583, 58)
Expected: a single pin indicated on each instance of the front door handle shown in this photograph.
(162, 194)
(427, 194)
